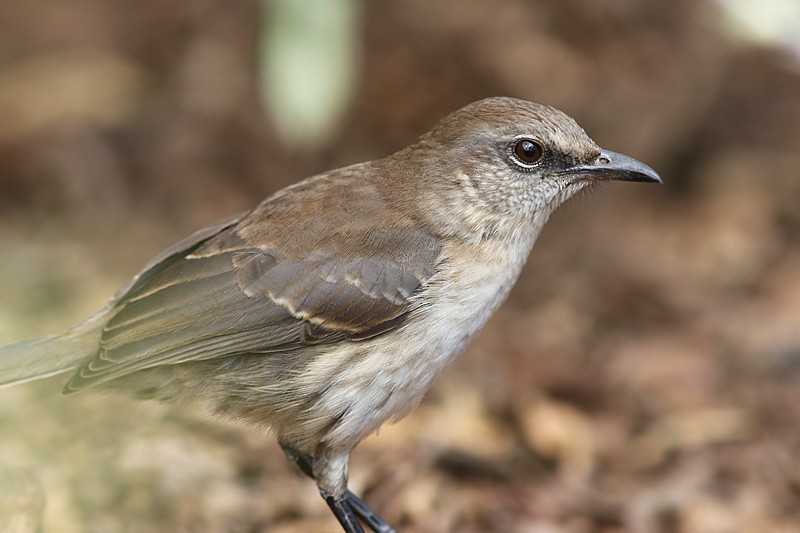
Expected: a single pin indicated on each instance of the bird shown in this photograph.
(331, 307)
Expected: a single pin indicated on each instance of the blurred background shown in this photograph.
(644, 375)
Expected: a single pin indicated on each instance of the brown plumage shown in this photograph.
(330, 308)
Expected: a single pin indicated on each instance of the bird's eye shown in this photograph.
(527, 152)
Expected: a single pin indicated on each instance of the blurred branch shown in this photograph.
(308, 65)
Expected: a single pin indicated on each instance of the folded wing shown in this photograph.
(222, 297)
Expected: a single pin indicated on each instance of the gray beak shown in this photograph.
(613, 166)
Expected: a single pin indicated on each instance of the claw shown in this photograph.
(343, 513)
(370, 517)
(347, 509)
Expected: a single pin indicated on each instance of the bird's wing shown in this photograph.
(223, 296)
(174, 253)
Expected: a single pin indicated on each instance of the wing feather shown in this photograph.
(246, 286)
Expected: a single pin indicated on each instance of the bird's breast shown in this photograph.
(394, 370)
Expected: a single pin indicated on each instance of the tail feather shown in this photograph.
(33, 359)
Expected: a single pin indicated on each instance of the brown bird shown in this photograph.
(331, 307)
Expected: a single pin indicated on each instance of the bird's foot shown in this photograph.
(347, 509)
(350, 508)
(365, 513)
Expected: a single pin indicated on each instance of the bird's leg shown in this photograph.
(370, 517)
(343, 513)
(346, 508)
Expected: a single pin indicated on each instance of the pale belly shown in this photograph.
(390, 379)
(333, 396)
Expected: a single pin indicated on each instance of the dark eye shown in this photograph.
(528, 152)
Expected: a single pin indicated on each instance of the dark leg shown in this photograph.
(375, 522)
(345, 508)
(343, 513)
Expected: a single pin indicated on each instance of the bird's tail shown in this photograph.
(32, 359)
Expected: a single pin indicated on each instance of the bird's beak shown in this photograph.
(613, 166)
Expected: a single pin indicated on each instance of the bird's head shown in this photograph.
(503, 162)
